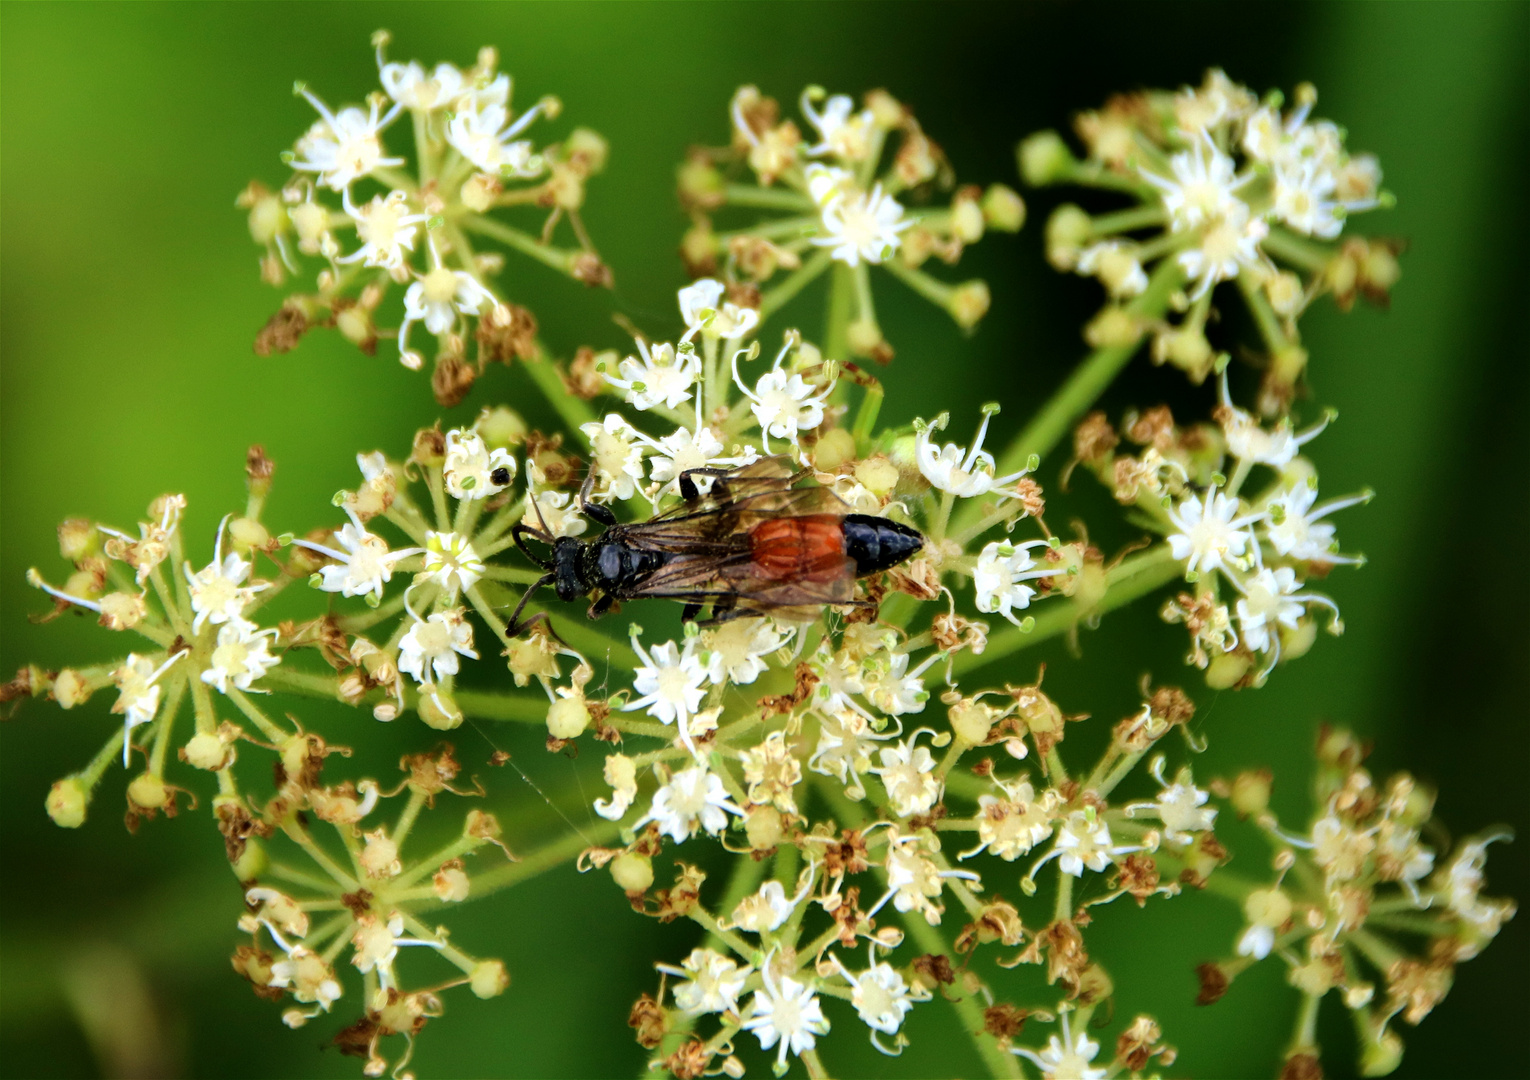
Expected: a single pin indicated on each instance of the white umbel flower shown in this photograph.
(618, 454)
(880, 996)
(242, 655)
(137, 693)
(1270, 601)
(218, 591)
(670, 684)
(450, 561)
(1203, 187)
(734, 652)
(1066, 1058)
(1209, 535)
(436, 643)
(345, 146)
(860, 225)
(362, 565)
(1295, 527)
(907, 773)
(785, 1013)
(486, 137)
(842, 132)
(663, 375)
(713, 984)
(469, 468)
(1000, 575)
(437, 298)
(385, 228)
(410, 85)
(704, 311)
(967, 475)
(693, 798)
(782, 404)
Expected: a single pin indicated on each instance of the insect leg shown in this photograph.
(688, 489)
(601, 606)
(689, 612)
(520, 529)
(599, 513)
(514, 627)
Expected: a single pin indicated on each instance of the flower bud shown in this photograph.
(971, 721)
(763, 827)
(1267, 907)
(1227, 670)
(700, 183)
(148, 791)
(206, 751)
(355, 323)
(451, 883)
(568, 717)
(252, 862)
(489, 978)
(1068, 230)
(379, 856)
(70, 689)
(1381, 1051)
(864, 337)
(1045, 159)
(438, 710)
(1113, 327)
(589, 148)
(967, 219)
(968, 303)
(66, 803)
(835, 448)
(311, 222)
(633, 873)
(501, 427)
(879, 475)
(268, 218)
(122, 611)
(1003, 208)
(1251, 792)
(78, 539)
(1296, 643)
(479, 192)
(247, 534)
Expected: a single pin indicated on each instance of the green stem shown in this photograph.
(1298, 252)
(836, 334)
(525, 243)
(571, 410)
(767, 198)
(1136, 217)
(776, 298)
(968, 1007)
(543, 859)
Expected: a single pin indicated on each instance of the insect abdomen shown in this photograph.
(806, 548)
(877, 544)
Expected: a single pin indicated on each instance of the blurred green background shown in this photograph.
(129, 295)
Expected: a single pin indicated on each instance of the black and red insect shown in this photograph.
(758, 542)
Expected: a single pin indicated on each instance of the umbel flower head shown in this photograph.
(376, 222)
(851, 189)
(1224, 187)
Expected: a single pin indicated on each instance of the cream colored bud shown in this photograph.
(479, 192)
(763, 827)
(700, 183)
(835, 448)
(489, 978)
(568, 717)
(148, 791)
(1227, 670)
(633, 873)
(70, 689)
(451, 884)
(1003, 208)
(311, 222)
(268, 219)
(1187, 349)
(246, 534)
(971, 721)
(206, 751)
(66, 803)
(78, 539)
(86, 584)
(122, 611)
(1113, 327)
(1381, 1052)
(879, 475)
(1068, 230)
(356, 325)
(1250, 795)
(967, 220)
(252, 862)
(1045, 159)
(887, 112)
(481, 825)
(588, 146)
(501, 427)
(1285, 292)
(968, 303)
(379, 856)
(1267, 907)
(1295, 644)
(439, 710)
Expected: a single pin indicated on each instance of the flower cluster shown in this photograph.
(873, 783)
(1247, 555)
(1227, 188)
(843, 209)
(375, 222)
(1360, 905)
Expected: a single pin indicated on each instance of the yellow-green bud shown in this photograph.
(633, 873)
(268, 219)
(1113, 327)
(489, 978)
(1226, 671)
(864, 337)
(252, 862)
(1381, 1051)
(589, 146)
(971, 721)
(700, 183)
(967, 220)
(148, 791)
(1003, 208)
(439, 711)
(568, 717)
(246, 534)
(763, 827)
(66, 803)
(70, 689)
(206, 751)
(879, 475)
(1251, 792)
(78, 539)
(1267, 907)
(501, 427)
(1296, 643)
(1045, 159)
(310, 220)
(355, 324)
(969, 302)
(1068, 230)
(835, 448)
